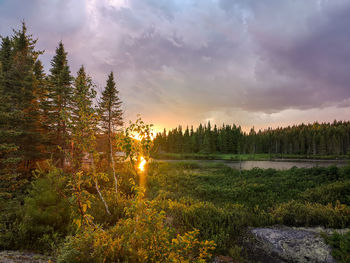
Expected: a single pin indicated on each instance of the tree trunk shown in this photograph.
(101, 196)
(113, 164)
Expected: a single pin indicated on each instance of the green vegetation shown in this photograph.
(243, 157)
(221, 202)
(325, 139)
(341, 246)
(58, 193)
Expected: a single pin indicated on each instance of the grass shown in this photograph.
(221, 202)
(341, 246)
(219, 184)
(244, 157)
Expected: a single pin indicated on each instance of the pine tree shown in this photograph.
(8, 135)
(21, 134)
(84, 119)
(111, 117)
(21, 99)
(42, 100)
(110, 112)
(186, 140)
(60, 107)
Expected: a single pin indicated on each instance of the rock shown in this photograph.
(7, 256)
(224, 259)
(287, 244)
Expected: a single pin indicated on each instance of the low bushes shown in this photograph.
(224, 225)
(340, 246)
(43, 221)
(296, 213)
(330, 193)
(142, 236)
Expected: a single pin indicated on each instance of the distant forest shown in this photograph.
(305, 139)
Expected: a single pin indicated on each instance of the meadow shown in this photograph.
(197, 202)
(222, 202)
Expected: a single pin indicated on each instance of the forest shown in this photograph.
(305, 139)
(59, 194)
(66, 194)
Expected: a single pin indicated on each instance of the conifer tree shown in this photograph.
(41, 104)
(111, 117)
(60, 95)
(84, 119)
(110, 112)
(84, 127)
(8, 146)
(21, 98)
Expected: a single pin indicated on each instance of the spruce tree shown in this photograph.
(111, 117)
(8, 135)
(110, 112)
(84, 119)
(42, 99)
(60, 95)
(21, 134)
(21, 101)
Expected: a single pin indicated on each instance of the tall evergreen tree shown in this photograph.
(60, 95)
(110, 112)
(8, 135)
(111, 117)
(21, 96)
(84, 119)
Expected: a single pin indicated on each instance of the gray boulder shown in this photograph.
(287, 244)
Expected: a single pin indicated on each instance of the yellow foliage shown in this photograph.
(141, 237)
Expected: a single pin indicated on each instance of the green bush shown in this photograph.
(330, 193)
(223, 225)
(10, 217)
(46, 213)
(340, 246)
(187, 165)
(295, 213)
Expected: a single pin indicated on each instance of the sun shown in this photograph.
(139, 137)
(142, 164)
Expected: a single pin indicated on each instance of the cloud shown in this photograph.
(313, 59)
(189, 60)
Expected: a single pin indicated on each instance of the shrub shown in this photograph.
(142, 236)
(295, 213)
(340, 246)
(186, 165)
(331, 193)
(46, 213)
(223, 225)
(10, 217)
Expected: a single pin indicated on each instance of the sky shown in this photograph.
(265, 63)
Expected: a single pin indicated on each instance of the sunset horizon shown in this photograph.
(175, 131)
(185, 63)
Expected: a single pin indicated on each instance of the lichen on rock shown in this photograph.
(287, 244)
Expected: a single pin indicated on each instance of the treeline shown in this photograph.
(305, 139)
(54, 115)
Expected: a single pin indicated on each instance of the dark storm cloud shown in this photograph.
(315, 63)
(198, 58)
